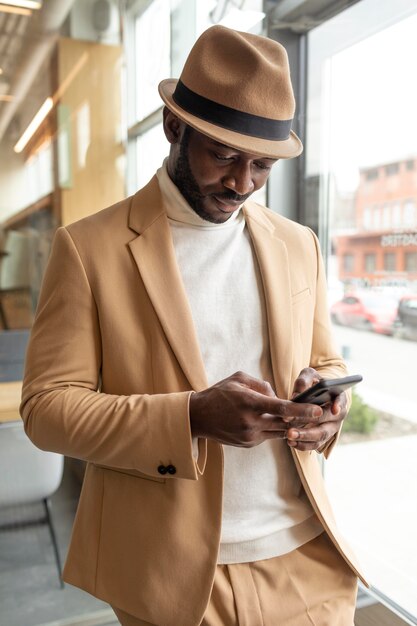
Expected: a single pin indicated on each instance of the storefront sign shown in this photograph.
(399, 240)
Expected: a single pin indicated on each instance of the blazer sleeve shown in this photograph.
(62, 407)
(324, 355)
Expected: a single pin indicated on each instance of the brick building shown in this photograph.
(383, 250)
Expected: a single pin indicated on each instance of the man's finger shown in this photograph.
(316, 434)
(339, 404)
(327, 415)
(274, 434)
(261, 386)
(282, 409)
(303, 446)
(270, 422)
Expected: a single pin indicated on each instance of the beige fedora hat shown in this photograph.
(236, 88)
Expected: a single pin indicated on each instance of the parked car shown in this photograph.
(406, 324)
(366, 311)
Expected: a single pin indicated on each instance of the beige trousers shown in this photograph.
(311, 586)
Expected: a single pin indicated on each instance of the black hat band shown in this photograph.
(231, 119)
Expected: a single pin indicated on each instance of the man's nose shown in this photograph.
(239, 179)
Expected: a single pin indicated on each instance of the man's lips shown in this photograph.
(228, 205)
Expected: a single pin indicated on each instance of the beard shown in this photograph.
(189, 188)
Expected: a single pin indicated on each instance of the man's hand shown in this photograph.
(244, 411)
(314, 434)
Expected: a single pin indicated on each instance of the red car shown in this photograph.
(366, 311)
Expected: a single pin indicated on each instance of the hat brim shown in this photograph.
(286, 149)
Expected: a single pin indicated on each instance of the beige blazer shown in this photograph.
(111, 363)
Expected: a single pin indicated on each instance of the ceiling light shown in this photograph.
(17, 10)
(34, 125)
(6, 98)
(25, 4)
(1, 71)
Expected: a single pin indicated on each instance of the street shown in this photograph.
(388, 366)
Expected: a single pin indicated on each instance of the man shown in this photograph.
(171, 332)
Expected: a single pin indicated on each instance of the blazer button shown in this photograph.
(162, 469)
(171, 469)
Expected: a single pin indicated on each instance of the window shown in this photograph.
(367, 218)
(371, 473)
(372, 175)
(411, 261)
(159, 35)
(151, 149)
(376, 218)
(386, 216)
(396, 215)
(348, 262)
(392, 169)
(409, 165)
(390, 261)
(370, 263)
(409, 213)
(152, 45)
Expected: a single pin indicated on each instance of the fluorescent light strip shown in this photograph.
(15, 10)
(34, 125)
(47, 105)
(26, 4)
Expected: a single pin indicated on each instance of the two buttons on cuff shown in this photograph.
(167, 469)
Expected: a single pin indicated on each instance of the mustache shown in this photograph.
(231, 195)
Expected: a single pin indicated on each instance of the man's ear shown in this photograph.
(172, 126)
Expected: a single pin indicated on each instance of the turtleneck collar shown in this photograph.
(179, 210)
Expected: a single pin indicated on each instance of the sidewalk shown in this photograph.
(373, 489)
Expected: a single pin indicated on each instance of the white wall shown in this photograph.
(82, 22)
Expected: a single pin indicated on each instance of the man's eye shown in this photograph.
(221, 157)
(262, 166)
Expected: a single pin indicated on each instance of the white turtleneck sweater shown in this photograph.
(265, 510)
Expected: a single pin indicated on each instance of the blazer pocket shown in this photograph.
(300, 296)
(134, 473)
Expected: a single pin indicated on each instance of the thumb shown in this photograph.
(306, 378)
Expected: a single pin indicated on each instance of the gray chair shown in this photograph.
(12, 354)
(28, 475)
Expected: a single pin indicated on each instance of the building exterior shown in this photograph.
(383, 250)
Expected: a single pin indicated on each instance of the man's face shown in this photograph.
(215, 179)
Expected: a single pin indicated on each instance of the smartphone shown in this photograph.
(326, 390)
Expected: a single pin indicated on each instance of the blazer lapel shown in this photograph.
(271, 253)
(154, 254)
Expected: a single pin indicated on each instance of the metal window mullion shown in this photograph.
(142, 127)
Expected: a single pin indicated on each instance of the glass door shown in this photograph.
(361, 183)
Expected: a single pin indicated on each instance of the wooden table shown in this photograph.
(9, 401)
